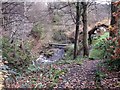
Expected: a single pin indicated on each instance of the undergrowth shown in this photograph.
(16, 55)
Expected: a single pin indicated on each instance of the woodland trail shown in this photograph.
(81, 76)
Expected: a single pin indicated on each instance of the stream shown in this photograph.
(58, 53)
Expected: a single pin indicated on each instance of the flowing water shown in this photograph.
(58, 55)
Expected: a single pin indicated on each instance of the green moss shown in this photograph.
(97, 52)
(98, 40)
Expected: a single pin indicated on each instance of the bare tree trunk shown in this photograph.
(119, 26)
(85, 33)
(113, 21)
(77, 29)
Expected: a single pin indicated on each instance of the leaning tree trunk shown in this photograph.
(113, 21)
(85, 33)
(77, 29)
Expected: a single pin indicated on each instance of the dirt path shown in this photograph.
(81, 76)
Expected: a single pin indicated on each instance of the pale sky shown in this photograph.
(101, 1)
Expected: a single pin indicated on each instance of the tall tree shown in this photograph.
(77, 28)
(113, 21)
(85, 31)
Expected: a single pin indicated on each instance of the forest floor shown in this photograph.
(81, 76)
(1, 77)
